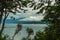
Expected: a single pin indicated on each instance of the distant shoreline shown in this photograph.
(26, 22)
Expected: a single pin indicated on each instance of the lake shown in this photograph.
(10, 29)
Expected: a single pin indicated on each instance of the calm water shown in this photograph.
(10, 29)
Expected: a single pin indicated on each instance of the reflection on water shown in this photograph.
(10, 29)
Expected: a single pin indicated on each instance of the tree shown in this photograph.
(19, 28)
(53, 17)
(10, 6)
(30, 32)
(40, 36)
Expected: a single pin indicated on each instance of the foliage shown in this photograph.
(40, 36)
(3, 37)
(52, 32)
(53, 16)
(30, 32)
(10, 6)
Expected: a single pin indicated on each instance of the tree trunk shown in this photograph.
(1, 14)
(3, 23)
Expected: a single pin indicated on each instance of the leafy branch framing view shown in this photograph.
(52, 32)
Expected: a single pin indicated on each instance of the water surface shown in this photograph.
(10, 29)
